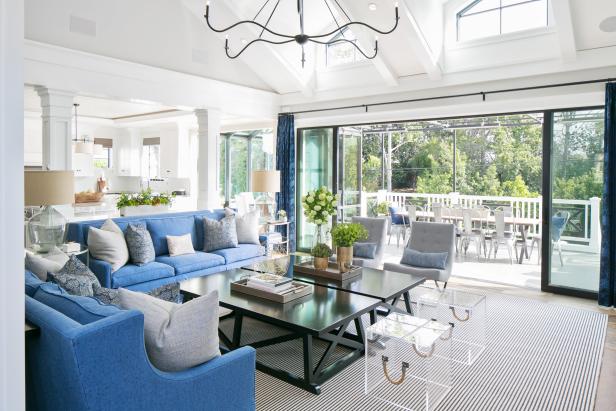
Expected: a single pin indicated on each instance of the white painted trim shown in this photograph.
(100, 76)
(589, 64)
(12, 363)
(502, 38)
(566, 34)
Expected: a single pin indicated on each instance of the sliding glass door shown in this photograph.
(350, 170)
(315, 168)
(576, 181)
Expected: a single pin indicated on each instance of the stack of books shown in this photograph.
(270, 282)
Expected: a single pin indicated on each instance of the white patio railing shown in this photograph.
(585, 213)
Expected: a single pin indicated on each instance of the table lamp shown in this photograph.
(46, 189)
(268, 182)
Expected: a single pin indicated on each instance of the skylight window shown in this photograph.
(486, 18)
(340, 53)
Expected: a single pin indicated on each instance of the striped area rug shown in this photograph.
(539, 356)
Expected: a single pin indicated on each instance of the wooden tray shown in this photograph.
(304, 290)
(331, 272)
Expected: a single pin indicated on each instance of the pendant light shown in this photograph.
(82, 146)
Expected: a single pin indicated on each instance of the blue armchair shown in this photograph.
(103, 365)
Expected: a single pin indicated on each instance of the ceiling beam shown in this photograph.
(366, 42)
(268, 64)
(427, 56)
(564, 28)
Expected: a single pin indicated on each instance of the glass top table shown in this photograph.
(451, 298)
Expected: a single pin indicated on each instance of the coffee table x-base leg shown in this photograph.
(316, 370)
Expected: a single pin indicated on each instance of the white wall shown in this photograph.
(12, 360)
(158, 33)
(33, 139)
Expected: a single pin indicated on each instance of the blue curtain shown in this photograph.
(285, 162)
(607, 281)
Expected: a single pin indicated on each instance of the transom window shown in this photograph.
(486, 18)
(342, 52)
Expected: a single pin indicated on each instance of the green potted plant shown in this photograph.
(344, 236)
(144, 202)
(321, 253)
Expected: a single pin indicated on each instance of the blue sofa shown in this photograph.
(91, 356)
(166, 269)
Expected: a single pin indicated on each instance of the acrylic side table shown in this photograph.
(407, 361)
(465, 312)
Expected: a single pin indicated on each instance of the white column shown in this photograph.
(208, 133)
(12, 375)
(57, 115)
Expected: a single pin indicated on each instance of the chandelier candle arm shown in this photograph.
(234, 56)
(302, 38)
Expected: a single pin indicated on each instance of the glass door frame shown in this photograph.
(546, 227)
(299, 161)
(548, 127)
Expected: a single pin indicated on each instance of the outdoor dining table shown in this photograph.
(523, 223)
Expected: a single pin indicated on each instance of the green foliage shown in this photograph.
(143, 198)
(516, 188)
(581, 187)
(346, 234)
(321, 250)
(496, 160)
(382, 208)
(319, 205)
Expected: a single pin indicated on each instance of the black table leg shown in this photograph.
(237, 330)
(308, 370)
(407, 302)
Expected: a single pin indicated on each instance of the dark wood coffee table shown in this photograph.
(387, 286)
(326, 314)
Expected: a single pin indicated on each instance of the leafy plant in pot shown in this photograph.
(344, 236)
(321, 253)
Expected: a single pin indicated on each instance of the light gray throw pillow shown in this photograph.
(180, 244)
(43, 265)
(219, 234)
(247, 226)
(177, 336)
(140, 245)
(424, 260)
(364, 250)
(108, 244)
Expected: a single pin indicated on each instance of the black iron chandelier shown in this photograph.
(302, 38)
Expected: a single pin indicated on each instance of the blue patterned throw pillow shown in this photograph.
(424, 260)
(219, 234)
(168, 292)
(76, 278)
(364, 250)
(140, 245)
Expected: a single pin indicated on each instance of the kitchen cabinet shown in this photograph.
(127, 154)
(83, 165)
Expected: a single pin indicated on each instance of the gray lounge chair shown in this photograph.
(430, 238)
(377, 233)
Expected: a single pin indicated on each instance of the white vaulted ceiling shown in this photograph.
(420, 54)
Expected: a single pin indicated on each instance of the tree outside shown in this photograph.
(494, 156)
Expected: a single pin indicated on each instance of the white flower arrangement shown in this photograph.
(320, 205)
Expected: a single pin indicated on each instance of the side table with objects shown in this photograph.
(68, 249)
(277, 242)
(465, 312)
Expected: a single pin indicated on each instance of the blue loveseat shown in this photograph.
(91, 356)
(166, 269)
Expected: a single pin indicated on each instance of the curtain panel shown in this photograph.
(607, 281)
(285, 162)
